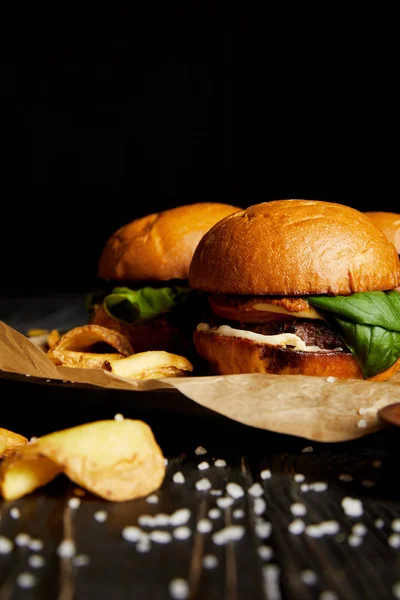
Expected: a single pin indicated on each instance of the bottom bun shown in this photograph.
(228, 355)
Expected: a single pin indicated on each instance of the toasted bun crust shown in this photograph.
(295, 247)
(389, 223)
(231, 355)
(159, 246)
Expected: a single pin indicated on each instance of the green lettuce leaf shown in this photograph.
(368, 323)
(134, 306)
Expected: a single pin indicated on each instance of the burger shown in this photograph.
(142, 278)
(298, 287)
(389, 223)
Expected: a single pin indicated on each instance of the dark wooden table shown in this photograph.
(305, 521)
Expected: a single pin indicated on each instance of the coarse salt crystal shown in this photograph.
(203, 465)
(220, 462)
(328, 595)
(180, 517)
(152, 499)
(266, 474)
(118, 417)
(146, 520)
(324, 528)
(182, 533)
(80, 560)
(210, 561)
(298, 509)
(359, 529)
(214, 513)
(259, 506)
(396, 589)
(354, 540)
(394, 540)
(100, 516)
(231, 533)
(238, 513)
(263, 529)
(74, 502)
(256, 490)
(297, 526)
(225, 501)
(15, 513)
(200, 450)
(265, 552)
(130, 533)
(178, 477)
(352, 506)
(179, 588)
(203, 484)
(143, 545)
(308, 449)
(319, 486)
(35, 545)
(379, 523)
(22, 539)
(362, 411)
(26, 580)
(161, 537)
(165, 461)
(271, 575)
(362, 423)
(234, 489)
(6, 545)
(299, 477)
(304, 487)
(396, 525)
(308, 577)
(216, 492)
(36, 561)
(161, 520)
(66, 549)
(331, 379)
(204, 526)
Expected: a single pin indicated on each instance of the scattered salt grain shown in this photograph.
(259, 506)
(319, 486)
(35, 545)
(308, 449)
(256, 490)
(182, 533)
(396, 525)
(328, 595)
(15, 513)
(210, 561)
(216, 492)
(308, 577)
(179, 588)
(238, 513)
(379, 523)
(362, 423)
(297, 526)
(266, 474)
(323, 528)
(165, 461)
(74, 502)
(235, 490)
(271, 575)
(220, 462)
(22, 540)
(146, 520)
(36, 561)
(204, 526)
(80, 560)
(298, 509)
(359, 529)
(263, 529)
(377, 464)
(396, 589)
(225, 501)
(231, 533)
(152, 499)
(27, 375)
(100, 516)
(178, 477)
(161, 520)
(304, 487)
(394, 540)
(203, 465)
(161, 537)
(200, 450)
(203, 484)
(33, 439)
(331, 379)
(214, 513)
(299, 477)
(346, 477)
(362, 411)
(265, 552)
(352, 506)
(180, 517)
(130, 533)
(66, 549)
(368, 483)
(6, 545)
(118, 417)
(143, 545)
(354, 540)
(26, 581)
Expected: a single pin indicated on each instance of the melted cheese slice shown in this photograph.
(282, 339)
(310, 313)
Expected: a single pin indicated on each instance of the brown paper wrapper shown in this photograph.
(314, 408)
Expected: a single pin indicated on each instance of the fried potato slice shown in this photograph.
(9, 441)
(152, 364)
(88, 346)
(53, 337)
(116, 460)
(25, 470)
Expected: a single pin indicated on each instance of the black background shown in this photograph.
(113, 113)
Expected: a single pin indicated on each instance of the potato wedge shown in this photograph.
(152, 364)
(11, 441)
(116, 460)
(88, 347)
(25, 470)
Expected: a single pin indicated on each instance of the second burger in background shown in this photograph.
(143, 275)
(389, 223)
(298, 287)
